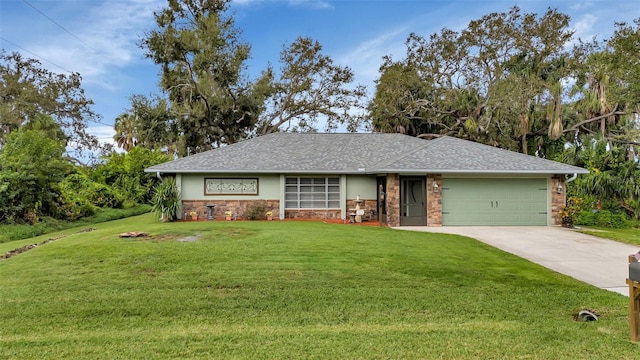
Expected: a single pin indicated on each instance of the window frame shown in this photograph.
(312, 193)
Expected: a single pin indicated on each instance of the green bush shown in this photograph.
(124, 172)
(256, 210)
(74, 207)
(81, 193)
(569, 212)
(586, 218)
(31, 167)
(603, 218)
(166, 199)
(104, 196)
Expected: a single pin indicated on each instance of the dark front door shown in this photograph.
(413, 202)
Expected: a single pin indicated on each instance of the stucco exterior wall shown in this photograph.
(192, 187)
(362, 185)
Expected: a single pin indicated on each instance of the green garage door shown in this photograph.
(494, 201)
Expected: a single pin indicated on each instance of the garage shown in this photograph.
(494, 202)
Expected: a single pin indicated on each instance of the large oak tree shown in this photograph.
(211, 99)
(490, 82)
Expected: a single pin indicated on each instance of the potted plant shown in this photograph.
(228, 214)
(269, 215)
(194, 215)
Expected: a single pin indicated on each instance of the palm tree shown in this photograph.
(126, 127)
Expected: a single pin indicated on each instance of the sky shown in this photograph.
(99, 38)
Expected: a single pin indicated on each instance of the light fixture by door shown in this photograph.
(436, 188)
(559, 189)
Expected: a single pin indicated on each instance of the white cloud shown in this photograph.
(314, 4)
(366, 58)
(584, 26)
(112, 30)
(103, 132)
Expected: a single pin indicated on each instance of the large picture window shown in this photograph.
(312, 193)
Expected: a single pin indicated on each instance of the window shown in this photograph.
(312, 193)
(225, 186)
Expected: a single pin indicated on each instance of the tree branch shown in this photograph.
(576, 126)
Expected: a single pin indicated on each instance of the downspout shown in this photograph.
(571, 178)
(160, 177)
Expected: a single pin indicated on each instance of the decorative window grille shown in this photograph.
(227, 186)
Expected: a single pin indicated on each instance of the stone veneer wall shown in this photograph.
(393, 199)
(434, 201)
(331, 214)
(558, 200)
(238, 207)
(367, 204)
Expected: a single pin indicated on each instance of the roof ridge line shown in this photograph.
(408, 152)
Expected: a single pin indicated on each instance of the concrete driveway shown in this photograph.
(599, 262)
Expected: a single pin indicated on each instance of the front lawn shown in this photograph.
(629, 236)
(294, 290)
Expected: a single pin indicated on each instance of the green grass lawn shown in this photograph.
(629, 236)
(294, 290)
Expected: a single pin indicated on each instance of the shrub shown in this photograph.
(166, 199)
(568, 213)
(586, 218)
(104, 196)
(603, 218)
(81, 196)
(256, 210)
(74, 207)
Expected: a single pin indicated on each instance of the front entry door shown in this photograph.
(413, 199)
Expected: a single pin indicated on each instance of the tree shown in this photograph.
(155, 127)
(607, 85)
(202, 59)
(27, 90)
(613, 179)
(31, 167)
(125, 173)
(310, 86)
(492, 82)
(211, 100)
(126, 128)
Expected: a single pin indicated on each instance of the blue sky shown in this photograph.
(102, 37)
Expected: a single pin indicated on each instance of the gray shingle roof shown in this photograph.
(359, 153)
(448, 155)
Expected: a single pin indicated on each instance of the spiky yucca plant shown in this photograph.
(166, 200)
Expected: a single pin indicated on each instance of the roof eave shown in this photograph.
(367, 172)
(463, 171)
(245, 171)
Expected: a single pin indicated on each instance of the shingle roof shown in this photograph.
(448, 155)
(359, 153)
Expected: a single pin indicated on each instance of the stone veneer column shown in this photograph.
(434, 200)
(393, 199)
(558, 200)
